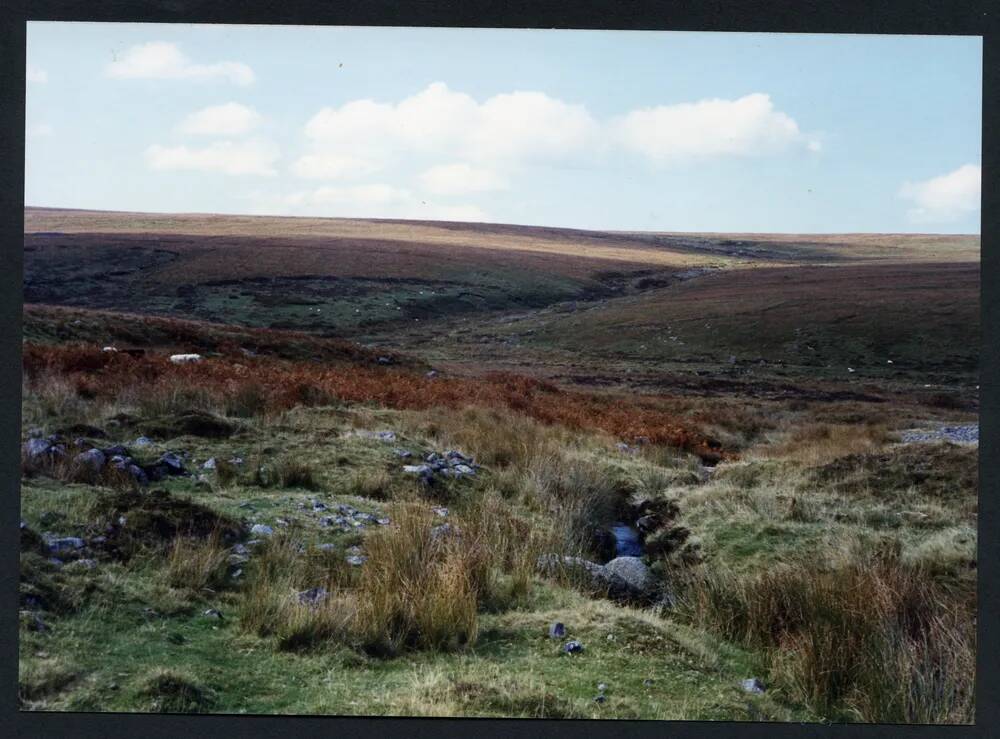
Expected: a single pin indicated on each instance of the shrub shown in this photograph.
(287, 471)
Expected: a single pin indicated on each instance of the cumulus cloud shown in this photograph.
(708, 128)
(35, 74)
(460, 178)
(463, 145)
(163, 60)
(375, 200)
(505, 130)
(229, 119)
(946, 198)
(226, 157)
(332, 165)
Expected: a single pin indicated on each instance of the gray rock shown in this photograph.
(573, 647)
(65, 544)
(356, 560)
(386, 435)
(327, 547)
(753, 685)
(384, 360)
(422, 470)
(209, 464)
(35, 448)
(557, 630)
(600, 698)
(259, 529)
(632, 570)
(440, 511)
(143, 441)
(213, 613)
(403, 453)
(431, 375)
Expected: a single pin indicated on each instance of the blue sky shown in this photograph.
(589, 129)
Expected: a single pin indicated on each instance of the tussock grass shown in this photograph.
(198, 565)
(171, 691)
(874, 640)
(284, 471)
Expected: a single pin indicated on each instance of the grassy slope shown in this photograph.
(817, 476)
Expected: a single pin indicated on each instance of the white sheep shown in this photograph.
(185, 358)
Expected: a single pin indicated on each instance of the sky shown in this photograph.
(621, 130)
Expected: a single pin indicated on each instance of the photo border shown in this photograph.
(790, 16)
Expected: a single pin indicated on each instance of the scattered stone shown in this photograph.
(966, 434)
(648, 682)
(209, 464)
(403, 453)
(386, 435)
(143, 441)
(259, 529)
(382, 521)
(326, 547)
(753, 685)
(185, 358)
(384, 360)
(65, 544)
(573, 647)
(213, 613)
(557, 630)
(601, 687)
(440, 511)
(431, 375)
(600, 699)
(356, 560)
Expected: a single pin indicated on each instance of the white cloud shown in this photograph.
(375, 200)
(437, 123)
(331, 165)
(163, 60)
(708, 128)
(944, 198)
(228, 119)
(227, 157)
(40, 130)
(35, 74)
(458, 178)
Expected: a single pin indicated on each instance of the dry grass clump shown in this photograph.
(197, 565)
(820, 443)
(874, 640)
(285, 471)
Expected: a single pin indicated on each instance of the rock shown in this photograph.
(463, 469)
(573, 647)
(259, 529)
(593, 577)
(601, 687)
(65, 544)
(384, 360)
(186, 358)
(422, 470)
(599, 699)
(35, 448)
(173, 461)
(327, 547)
(313, 596)
(753, 685)
(648, 524)
(403, 453)
(557, 630)
(213, 613)
(632, 570)
(138, 474)
(356, 560)
(440, 511)
(142, 442)
(431, 375)
(648, 682)
(209, 464)
(386, 435)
